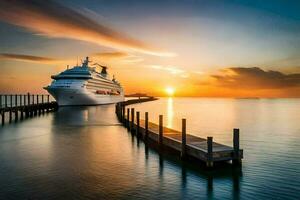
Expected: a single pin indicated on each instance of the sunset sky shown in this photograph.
(214, 48)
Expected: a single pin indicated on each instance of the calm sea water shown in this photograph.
(84, 153)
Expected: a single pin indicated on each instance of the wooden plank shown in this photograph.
(195, 146)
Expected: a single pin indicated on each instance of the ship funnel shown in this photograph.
(104, 71)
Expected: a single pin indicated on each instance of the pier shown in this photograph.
(19, 106)
(188, 146)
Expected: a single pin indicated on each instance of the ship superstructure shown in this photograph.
(84, 85)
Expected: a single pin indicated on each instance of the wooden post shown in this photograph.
(33, 99)
(209, 161)
(24, 100)
(16, 115)
(137, 123)
(11, 100)
(48, 101)
(28, 98)
(22, 113)
(26, 111)
(146, 125)
(128, 124)
(236, 146)
(3, 117)
(10, 115)
(119, 114)
(132, 119)
(183, 141)
(20, 99)
(5, 100)
(123, 114)
(0, 101)
(39, 106)
(16, 100)
(160, 138)
(43, 111)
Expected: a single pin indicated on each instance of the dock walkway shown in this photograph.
(188, 145)
(24, 106)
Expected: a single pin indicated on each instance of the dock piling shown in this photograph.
(21, 113)
(209, 162)
(183, 142)
(11, 100)
(43, 110)
(137, 123)
(3, 118)
(236, 146)
(132, 119)
(160, 139)
(16, 100)
(146, 125)
(123, 114)
(28, 98)
(185, 145)
(10, 115)
(128, 124)
(5, 100)
(20, 96)
(16, 115)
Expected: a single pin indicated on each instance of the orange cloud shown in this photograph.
(52, 19)
(27, 58)
(117, 56)
(255, 78)
(111, 55)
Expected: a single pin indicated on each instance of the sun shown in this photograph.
(170, 91)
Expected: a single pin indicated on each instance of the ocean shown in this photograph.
(85, 153)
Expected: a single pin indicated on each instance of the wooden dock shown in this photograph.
(189, 146)
(19, 107)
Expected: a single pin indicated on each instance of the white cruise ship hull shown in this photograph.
(84, 85)
(73, 97)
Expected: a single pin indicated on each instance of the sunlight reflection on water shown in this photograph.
(84, 153)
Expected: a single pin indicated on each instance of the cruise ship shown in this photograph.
(84, 85)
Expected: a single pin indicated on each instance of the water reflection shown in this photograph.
(192, 173)
(170, 112)
(167, 166)
(86, 150)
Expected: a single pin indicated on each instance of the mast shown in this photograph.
(85, 62)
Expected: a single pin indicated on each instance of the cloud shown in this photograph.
(171, 69)
(133, 59)
(111, 55)
(118, 55)
(254, 78)
(52, 19)
(27, 58)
